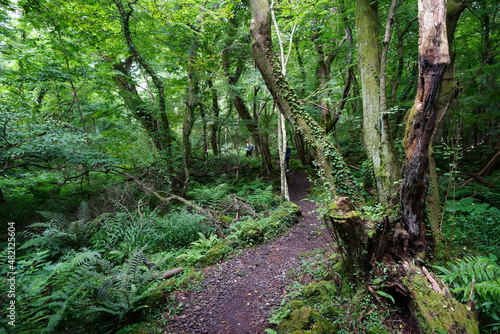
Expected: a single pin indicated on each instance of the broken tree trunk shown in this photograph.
(433, 60)
(417, 290)
(433, 306)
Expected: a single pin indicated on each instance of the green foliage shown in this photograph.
(79, 293)
(221, 197)
(253, 232)
(120, 233)
(60, 233)
(211, 197)
(472, 226)
(320, 307)
(259, 194)
(476, 278)
(205, 251)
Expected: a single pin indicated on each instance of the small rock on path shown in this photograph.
(237, 295)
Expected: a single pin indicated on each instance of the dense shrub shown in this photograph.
(472, 226)
(120, 233)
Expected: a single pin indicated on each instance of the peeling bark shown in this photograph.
(433, 60)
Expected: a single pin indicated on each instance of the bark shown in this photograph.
(449, 91)
(282, 145)
(171, 273)
(192, 103)
(433, 61)
(282, 137)
(215, 128)
(376, 135)
(164, 139)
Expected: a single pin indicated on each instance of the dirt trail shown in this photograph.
(236, 296)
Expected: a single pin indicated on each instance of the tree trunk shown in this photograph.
(164, 138)
(192, 102)
(433, 60)
(326, 155)
(214, 129)
(449, 91)
(376, 134)
(282, 146)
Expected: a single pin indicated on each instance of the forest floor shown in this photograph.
(236, 296)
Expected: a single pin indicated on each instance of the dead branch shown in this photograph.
(434, 284)
(171, 273)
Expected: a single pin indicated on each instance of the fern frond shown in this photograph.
(83, 213)
(489, 289)
(472, 272)
(58, 219)
(86, 257)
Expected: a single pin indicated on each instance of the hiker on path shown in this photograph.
(249, 149)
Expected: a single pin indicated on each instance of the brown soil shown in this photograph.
(236, 296)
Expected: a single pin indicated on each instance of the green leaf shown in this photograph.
(385, 294)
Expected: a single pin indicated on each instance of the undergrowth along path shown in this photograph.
(236, 296)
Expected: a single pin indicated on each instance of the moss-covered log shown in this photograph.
(433, 306)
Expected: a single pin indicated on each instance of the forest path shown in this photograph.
(235, 296)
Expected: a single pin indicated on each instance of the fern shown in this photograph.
(210, 197)
(263, 198)
(199, 249)
(59, 232)
(477, 278)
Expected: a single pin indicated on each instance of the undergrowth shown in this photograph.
(476, 280)
(328, 304)
(82, 274)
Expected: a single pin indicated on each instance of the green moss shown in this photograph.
(216, 253)
(319, 292)
(299, 319)
(189, 278)
(251, 232)
(434, 311)
(295, 304)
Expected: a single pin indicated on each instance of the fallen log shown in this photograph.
(170, 273)
(432, 305)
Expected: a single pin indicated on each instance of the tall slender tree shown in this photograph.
(376, 134)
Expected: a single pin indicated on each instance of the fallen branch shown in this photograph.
(434, 284)
(171, 273)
